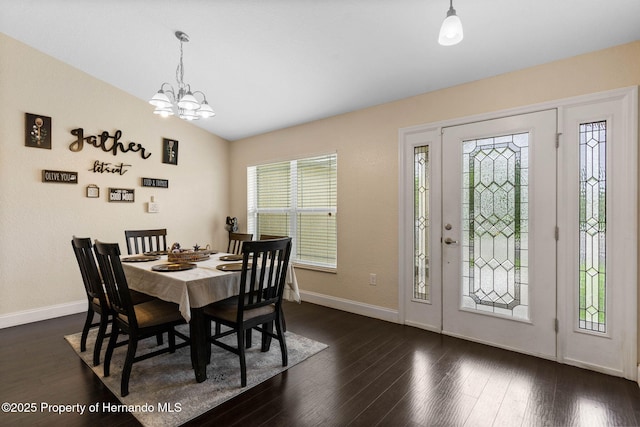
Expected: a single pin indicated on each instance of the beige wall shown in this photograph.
(37, 220)
(367, 145)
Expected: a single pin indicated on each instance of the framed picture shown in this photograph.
(93, 191)
(169, 151)
(37, 131)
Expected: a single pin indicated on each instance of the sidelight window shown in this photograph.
(593, 226)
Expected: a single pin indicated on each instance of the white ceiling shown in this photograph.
(270, 64)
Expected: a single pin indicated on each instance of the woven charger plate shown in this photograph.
(176, 266)
(231, 258)
(235, 266)
(140, 258)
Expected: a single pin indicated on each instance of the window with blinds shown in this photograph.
(297, 198)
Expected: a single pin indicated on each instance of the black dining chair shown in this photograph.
(236, 240)
(258, 305)
(271, 237)
(96, 298)
(138, 321)
(141, 241)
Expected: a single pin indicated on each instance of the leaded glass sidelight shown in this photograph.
(421, 169)
(593, 227)
(495, 218)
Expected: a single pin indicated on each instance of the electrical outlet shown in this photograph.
(153, 207)
(373, 280)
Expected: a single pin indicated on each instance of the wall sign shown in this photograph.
(37, 131)
(60, 176)
(155, 182)
(104, 167)
(121, 195)
(106, 142)
(93, 191)
(170, 151)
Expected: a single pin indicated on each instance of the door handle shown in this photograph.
(450, 241)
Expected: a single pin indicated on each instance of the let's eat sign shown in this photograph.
(60, 176)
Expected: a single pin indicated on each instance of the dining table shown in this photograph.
(193, 289)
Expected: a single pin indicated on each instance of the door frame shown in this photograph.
(410, 137)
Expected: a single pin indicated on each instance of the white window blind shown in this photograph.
(297, 198)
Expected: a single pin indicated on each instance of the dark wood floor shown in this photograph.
(373, 373)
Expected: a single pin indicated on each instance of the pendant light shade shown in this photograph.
(451, 31)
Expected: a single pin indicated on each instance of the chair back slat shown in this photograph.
(115, 282)
(264, 281)
(236, 241)
(91, 279)
(141, 241)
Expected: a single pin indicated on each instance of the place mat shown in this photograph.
(236, 266)
(140, 258)
(231, 258)
(175, 266)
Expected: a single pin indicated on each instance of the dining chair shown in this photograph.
(141, 241)
(96, 298)
(235, 242)
(271, 237)
(138, 321)
(258, 305)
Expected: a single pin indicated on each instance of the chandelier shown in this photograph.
(183, 102)
(451, 31)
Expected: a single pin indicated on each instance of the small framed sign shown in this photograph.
(155, 182)
(121, 195)
(37, 131)
(93, 191)
(169, 151)
(60, 176)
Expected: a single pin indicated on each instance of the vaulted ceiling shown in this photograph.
(270, 64)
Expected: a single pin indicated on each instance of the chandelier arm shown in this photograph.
(204, 97)
(168, 91)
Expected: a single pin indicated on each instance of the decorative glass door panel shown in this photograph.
(593, 225)
(495, 225)
(499, 216)
(421, 285)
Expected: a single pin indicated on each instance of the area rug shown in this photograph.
(163, 390)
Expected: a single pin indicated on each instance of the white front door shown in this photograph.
(499, 216)
(519, 229)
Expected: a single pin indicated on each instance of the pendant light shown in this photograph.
(451, 30)
(168, 100)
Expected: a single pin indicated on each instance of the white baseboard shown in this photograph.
(350, 306)
(43, 313)
(59, 310)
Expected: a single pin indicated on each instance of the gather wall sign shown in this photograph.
(106, 142)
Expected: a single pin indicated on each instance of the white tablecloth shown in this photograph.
(196, 287)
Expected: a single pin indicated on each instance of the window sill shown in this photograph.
(332, 270)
